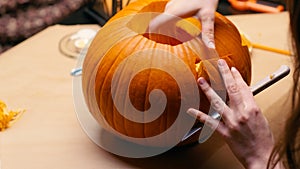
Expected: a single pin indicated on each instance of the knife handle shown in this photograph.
(270, 80)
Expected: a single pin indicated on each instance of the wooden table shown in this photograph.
(36, 76)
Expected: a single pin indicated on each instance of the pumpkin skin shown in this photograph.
(100, 66)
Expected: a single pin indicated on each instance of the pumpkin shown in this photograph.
(136, 83)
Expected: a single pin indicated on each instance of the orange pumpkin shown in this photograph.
(124, 64)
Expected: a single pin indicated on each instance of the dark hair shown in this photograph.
(288, 148)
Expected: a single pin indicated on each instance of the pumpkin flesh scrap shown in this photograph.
(7, 117)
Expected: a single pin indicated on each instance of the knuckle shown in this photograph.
(225, 71)
(252, 109)
(198, 116)
(233, 126)
(242, 119)
(217, 105)
(207, 15)
(232, 88)
(249, 110)
(205, 88)
(208, 34)
(226, 136)
(211, 123)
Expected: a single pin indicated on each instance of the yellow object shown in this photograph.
(259, 46)
(7, 117)
(246, 41)
(255, 5)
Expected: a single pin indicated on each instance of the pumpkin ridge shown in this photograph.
(124, 50)
(102, 89)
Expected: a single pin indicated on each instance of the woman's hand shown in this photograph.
(204, 10)
(243, 126)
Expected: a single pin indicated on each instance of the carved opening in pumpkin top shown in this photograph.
(174, 32)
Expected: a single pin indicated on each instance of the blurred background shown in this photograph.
(20, 19)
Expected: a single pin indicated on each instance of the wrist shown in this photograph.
(259, 160)
(262, 164)
(257, 164)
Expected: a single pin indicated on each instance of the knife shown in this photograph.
(283, 71)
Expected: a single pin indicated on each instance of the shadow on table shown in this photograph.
(192, 156)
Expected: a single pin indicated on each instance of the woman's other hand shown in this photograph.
(204, 10)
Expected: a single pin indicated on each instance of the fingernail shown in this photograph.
(221, 62)
(234, 69)
(211, 45)
(201, 80)
(192, 112)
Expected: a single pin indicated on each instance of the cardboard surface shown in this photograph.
(36, 76)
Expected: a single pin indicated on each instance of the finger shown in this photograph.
(215, 100)
(244, 88)
(162, 20)
(231, 85)
(211, 95)
(203, 118)
(174, 10)
(207, 120)
(181, 8)
(249, 105)
(207, 21)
